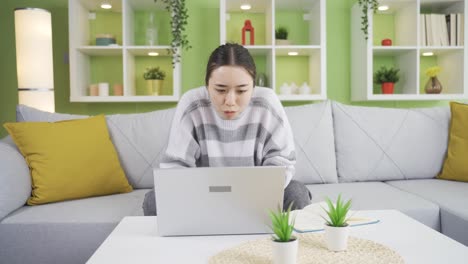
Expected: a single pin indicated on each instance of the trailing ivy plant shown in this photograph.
(367, 5)
(179, 15)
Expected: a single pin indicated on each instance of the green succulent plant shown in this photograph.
(281, 225)
(154, 73)
(281, 33)
(337, 213)
(384, 75)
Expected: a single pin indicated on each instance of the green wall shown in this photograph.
(203, 32)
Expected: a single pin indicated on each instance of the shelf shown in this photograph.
(403, 25)
(113, 99)
(100, 51)
(124, 63)
(305, 21)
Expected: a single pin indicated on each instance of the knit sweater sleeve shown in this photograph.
(279, 147)
(182, 150)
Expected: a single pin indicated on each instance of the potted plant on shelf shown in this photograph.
(367, 5)
(433, 85)
(154, 77)
(336, 226)
(387, 78)
(284, 243)
(281, 36)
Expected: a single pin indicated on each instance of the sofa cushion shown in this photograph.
(457, 154)
(377, 144)
(451, 196)
(139, 139)
(69, 159)
(29, 114)
(29, 234)
(15, 182)
(379, 195)
(312, 126)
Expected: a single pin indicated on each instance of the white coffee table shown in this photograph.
(135, 240)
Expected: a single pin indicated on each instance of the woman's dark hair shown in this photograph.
(230, 54)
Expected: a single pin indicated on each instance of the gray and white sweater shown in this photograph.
(260, 136)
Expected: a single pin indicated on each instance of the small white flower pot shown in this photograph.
(285, 252)
(336, 238)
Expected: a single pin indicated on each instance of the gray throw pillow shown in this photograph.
(15, 180)
(379, 144)
(312, 127)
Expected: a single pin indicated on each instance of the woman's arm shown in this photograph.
(279, 147)
(182, 149)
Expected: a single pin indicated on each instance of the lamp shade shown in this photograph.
(34, 60)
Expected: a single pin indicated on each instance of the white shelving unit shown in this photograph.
(93, 64)
(305, 20)
(402, 22)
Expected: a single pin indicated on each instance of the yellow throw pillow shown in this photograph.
(457, 153)
(69, 159)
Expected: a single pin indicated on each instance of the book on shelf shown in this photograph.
(311, 218)
(441, 29)
(453, 29)
(422, 27)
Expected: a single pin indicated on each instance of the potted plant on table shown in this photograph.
(387, 78)
(336, 226)
(284, 243)
(281, 36)
(154, 77)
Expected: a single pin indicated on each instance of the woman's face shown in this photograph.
(230, 89)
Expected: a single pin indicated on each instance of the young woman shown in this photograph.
(231, 123)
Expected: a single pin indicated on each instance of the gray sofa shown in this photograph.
(381, 158)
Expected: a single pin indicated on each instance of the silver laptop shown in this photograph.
(217, 201)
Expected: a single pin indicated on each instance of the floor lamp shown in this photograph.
(34, 61)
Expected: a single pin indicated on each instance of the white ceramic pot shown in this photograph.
(285, 252)
(284, 42)
(336, 238)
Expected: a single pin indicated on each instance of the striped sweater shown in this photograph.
(259, 136)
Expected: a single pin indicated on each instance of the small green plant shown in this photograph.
(384, 75)
(337, 213)
(154, 73)
(281, 33)
(367, 5)
(281, 225)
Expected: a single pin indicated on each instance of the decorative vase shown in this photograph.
(336, 238)
(151, 31)
(153, 87)
(261, 80)
(387, 87)
(285, 252)
(285, 89)
(304, 89)
(386, 42)
(433, 86)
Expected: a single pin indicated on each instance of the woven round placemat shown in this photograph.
(312, 249)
